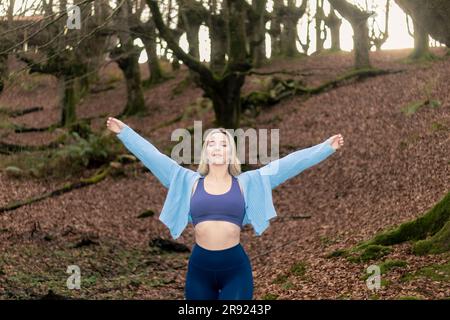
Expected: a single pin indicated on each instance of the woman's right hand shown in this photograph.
(115, 125)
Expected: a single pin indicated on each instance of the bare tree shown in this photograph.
(381, 38)
(358, 20)
(333, 22)
(222, 88)
(430, 15)
(321, 31)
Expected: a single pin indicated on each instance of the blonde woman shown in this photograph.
(219, 199)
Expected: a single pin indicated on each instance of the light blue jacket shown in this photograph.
(256, 184)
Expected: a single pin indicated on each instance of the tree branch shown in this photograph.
(166, 34)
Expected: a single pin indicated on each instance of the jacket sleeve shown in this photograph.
(292, 164)
(158, 163)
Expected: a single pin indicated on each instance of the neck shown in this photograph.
(218, 172)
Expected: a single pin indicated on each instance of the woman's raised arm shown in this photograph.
(292, 164)
(162, 166)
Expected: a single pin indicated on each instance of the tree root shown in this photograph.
(97, 177)
(430, 234)
(281, 88)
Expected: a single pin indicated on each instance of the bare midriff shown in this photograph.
(217, 235)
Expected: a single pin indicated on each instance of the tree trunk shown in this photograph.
(218, 43)
(257, 32)
(361, 44)
(3, 70)
(291, 14)
(68, 100)
(192, 15)
(153, 63)
(336, 37)
(127, 56)
(334, 23)
(320, 16)
(358, 20)
(149, 42)
(421, 41)
(289, 37)
(129, 65)
(226, 100)
(431, 15)
(275, 28)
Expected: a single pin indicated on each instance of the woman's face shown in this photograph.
(217, 148)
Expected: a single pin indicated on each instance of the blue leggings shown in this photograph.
(219, 274)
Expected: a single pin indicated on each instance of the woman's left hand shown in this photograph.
(337, 141)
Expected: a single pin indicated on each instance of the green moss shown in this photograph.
(391, 264)
(326, 240)
(288, 285)
(270, 296)
(386, 266)
(344, 296)
(368, 252)
(413, 107)
(280, 279)
(409, 298)
(435, 272)
(337, 253)
(298, 269)
(428, 224)
(88, 281)
(425, 59)
(109, 270)
(438, 243)
(437, 126)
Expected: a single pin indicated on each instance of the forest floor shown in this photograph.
(393, 167)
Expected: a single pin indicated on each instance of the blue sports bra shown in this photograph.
(229, 206)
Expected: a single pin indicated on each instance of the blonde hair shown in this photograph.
(234, 166)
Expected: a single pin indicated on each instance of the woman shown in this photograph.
(219, 200)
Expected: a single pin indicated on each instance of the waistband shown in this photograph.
(218, 259)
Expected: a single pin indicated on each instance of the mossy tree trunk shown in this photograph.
(358, 21)
(154, 67)
(129, 64)
(430, 232)
(68, 100)
(227, 107)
